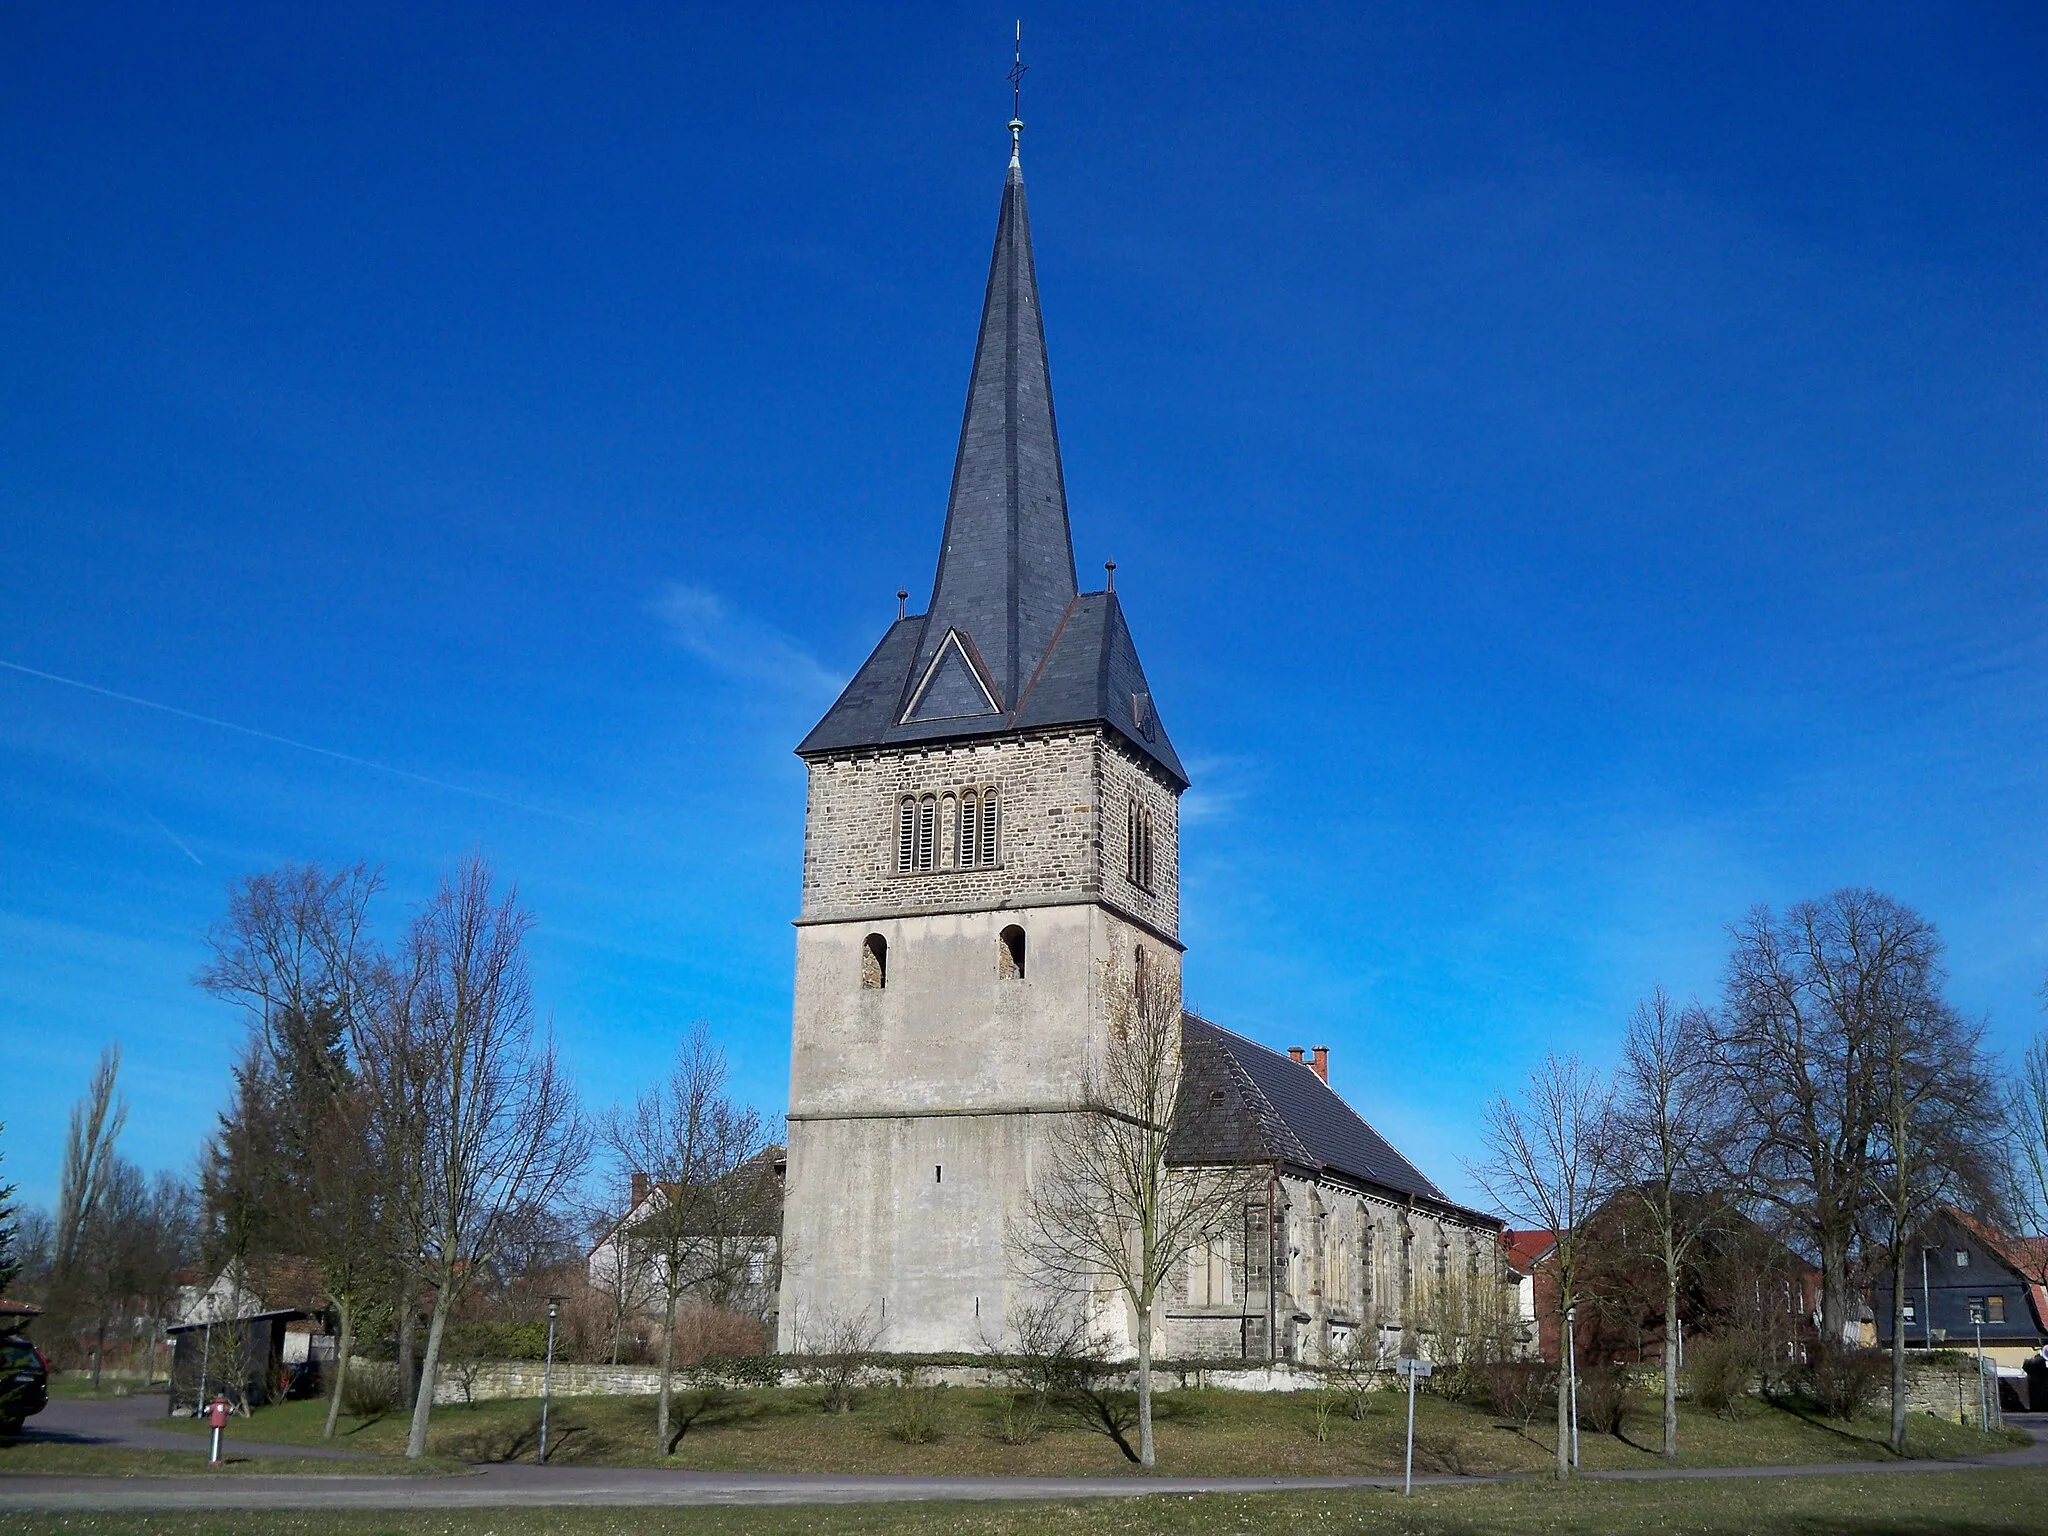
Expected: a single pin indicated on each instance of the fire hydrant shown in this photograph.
(217, 1420)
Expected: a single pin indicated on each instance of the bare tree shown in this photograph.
(2025, 1157)
(1548, 1166)
(496, 1121)
(1668, 1135)
(96, 1123)
(700, 1228)
(1799, 1045)
(1106, 1208)
(1937, 1126)
(11, 1260)
(295, 1163)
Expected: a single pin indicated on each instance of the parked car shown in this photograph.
(24, 1382)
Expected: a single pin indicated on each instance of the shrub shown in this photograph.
(1517, 1389)
(740, 1371)
(1607, 1399)
(1842, 1383)
(913, 1414)
(1720, 1370)
(370, 1389)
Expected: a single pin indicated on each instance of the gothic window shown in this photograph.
(874, 961)
(1010, 954)
(1209, 1274)
(1138, 845)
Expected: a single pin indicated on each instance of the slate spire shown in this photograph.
(1006, 566)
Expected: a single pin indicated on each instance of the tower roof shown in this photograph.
(1009, 641)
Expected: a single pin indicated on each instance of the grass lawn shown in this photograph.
(27, 1457)
(1210, 1433)
(1974, 1503)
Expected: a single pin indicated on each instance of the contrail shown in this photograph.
(176, 841)
(302, 746)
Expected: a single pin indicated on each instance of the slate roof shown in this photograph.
(1277, 1108)
(1033, 650)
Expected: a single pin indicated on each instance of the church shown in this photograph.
(992, 828)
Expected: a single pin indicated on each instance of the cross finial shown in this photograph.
(1016, 79)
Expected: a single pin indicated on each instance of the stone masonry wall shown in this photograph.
(1063, 799)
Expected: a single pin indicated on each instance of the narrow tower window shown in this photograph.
(989, 844)
(874, 961)
(1138, 845)
(906, 836)
(970, 830)
(927, 830)
(1010, 954)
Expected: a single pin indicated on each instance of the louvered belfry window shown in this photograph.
(960, 831)
(1138, 845)
(968, 837)
(989, 832)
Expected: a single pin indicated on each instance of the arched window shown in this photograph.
(874, 961)
(906, 836)
(927, 830)
(990, 846)
(1138, 845)
(1010, 954)
(968, 835)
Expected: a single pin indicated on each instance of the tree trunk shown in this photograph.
(1671, 1360)
(423, 1405)
(342, 1345)
(1834, 1289)
(408, 1327)
(668, 1371)
(1144, 1386)
(1899, 1349)
(99, 1347)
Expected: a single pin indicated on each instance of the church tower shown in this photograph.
(992, 825)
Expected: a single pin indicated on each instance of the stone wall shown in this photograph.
(1063, 799)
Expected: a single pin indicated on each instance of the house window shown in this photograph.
(1010, 954)
(1962, 1258)
(1138, 845)
(1976, 1309)
(1912, 1314)
(874, 961)
(1994, 1309)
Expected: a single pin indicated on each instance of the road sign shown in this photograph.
(1411, 1368)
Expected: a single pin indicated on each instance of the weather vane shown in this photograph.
(1016, 79)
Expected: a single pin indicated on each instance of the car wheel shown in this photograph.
(10, 1427)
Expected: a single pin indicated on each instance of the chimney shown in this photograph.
(639, 1189)
(1294, 1055)
(1322, 1063)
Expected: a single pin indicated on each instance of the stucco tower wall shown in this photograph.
(920, 1107)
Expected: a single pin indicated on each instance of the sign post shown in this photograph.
(1411, 1368)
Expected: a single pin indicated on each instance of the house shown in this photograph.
(269, 1286)
(1965, 1281)
(742, 1221)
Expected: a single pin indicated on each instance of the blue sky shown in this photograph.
(1572, 477)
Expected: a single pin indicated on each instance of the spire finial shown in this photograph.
(1110, 567)
(1016, 79)
(902, 598)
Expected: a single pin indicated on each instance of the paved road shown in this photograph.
(134, 1422)
(501, 1486)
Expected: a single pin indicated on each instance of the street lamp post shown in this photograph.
(1927, 1304)
(1571, 1353)
(547, 1375)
